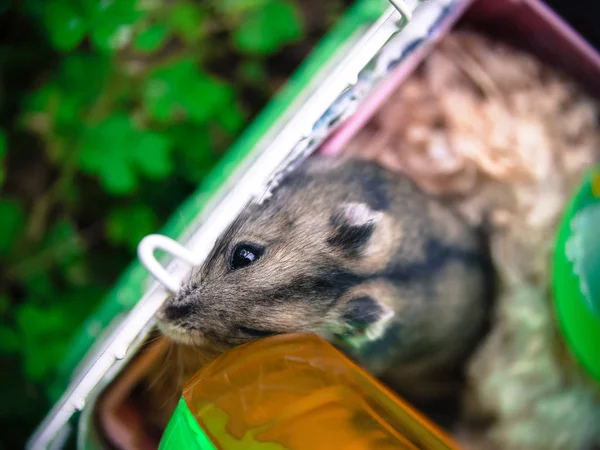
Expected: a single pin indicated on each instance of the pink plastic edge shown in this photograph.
(545, 17)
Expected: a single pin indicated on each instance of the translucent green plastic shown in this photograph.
(576, 277)
(184, 432)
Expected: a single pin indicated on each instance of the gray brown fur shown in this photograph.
(354, 253)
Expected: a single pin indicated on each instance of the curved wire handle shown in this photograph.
(146, 253)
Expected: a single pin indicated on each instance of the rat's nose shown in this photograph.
(174, 312)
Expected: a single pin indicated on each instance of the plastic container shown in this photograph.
(576, 277)
(294, 392)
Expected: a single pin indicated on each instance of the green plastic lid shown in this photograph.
(577, 274)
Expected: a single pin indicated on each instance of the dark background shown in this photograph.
(584, 15)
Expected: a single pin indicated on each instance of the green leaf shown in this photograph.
(39, 110)
(128, 225)
(108, 36)
(72, 92)
(191, 140)
(117, 152)
(269, 28)
(61, 252)
(205, 97)
(68, 251)
(69, 108)
(65, 25)
(234, 7)
(187, 20)
(104, 153)
(151, 155)
(163, 89)
(4, 304)
(38, 283)
(194, 151)
(231, 119)
(182, 89)
(9, 340)
(253, 71)
(84, 73)
(46, 330)
(3, 148)
(11, 225)
(42, 329)
(152, 38)
(3, 144)
(111, 22)
(72, 195)
(39, 100)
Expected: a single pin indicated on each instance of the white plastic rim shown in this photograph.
(403, 8)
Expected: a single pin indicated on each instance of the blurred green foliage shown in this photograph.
(112, 111)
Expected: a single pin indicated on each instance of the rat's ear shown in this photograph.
(352, 224)
(365, 315)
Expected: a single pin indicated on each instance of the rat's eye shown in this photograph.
(244, 255)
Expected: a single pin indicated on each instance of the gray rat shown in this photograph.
(354, 253)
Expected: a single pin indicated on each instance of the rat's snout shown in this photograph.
(177, 311)
(173, 310)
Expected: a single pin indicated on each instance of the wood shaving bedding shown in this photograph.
(504, 137)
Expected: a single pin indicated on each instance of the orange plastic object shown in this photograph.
(299, 392)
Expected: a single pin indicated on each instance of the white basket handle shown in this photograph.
(153, 242)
